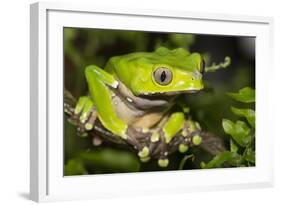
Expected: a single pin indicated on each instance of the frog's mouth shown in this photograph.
(147, 100)
(169, 93)
(165, 96)
(142, 102)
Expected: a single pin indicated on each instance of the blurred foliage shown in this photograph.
(246, 95)
(242, 135)
(104, 160)
(84, 47)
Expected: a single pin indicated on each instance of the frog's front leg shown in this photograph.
(169, 130)
(86, 114)
(100, 82)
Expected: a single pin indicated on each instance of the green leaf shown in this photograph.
(233, 146)
(250, 155)
(246, 95)
(232, 158)
(182, 40)
(184, 159)
(74, 167)
(111, 160)
(249, 114)
(239, 131)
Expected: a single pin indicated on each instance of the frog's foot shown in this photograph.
(86, 114)
(191, 134)
(163, 160)
(181, 143)
(159, 147)
(137, 139)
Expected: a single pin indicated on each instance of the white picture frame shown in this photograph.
(47, 182)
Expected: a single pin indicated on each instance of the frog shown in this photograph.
(137, 92)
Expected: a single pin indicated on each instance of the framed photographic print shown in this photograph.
(127, 102)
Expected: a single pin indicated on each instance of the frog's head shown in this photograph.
(163, 72)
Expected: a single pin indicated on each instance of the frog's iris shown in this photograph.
(162, 76)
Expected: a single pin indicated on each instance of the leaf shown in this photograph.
(232, 158)
(239, 131)
(74, 167)
(111, 160)
(233, 146)
(182, 40)
(250, 155)
(184, 159)
(249, 114)
(246, 95)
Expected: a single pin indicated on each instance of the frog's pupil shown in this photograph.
(163, 76)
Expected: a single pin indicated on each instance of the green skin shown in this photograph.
(138, 90)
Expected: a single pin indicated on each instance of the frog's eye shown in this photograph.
(202, 66)
(163, 76)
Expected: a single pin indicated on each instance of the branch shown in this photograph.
(138, 139)
(214, 67)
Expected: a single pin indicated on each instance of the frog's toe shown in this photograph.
(81, 132)
(90, 123)
(145, 159)
(80, 105)
(163, 162)
(196, 139)
(97, 141)
(89, 126)
(86, 112)
(183, 148)
(83, 108)
(144, 152)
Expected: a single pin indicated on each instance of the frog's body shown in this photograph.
(138, 90)
(135, 111)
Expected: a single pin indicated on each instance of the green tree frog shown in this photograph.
(138, 92)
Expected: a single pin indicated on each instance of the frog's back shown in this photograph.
(121, 62)
(125, 66)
